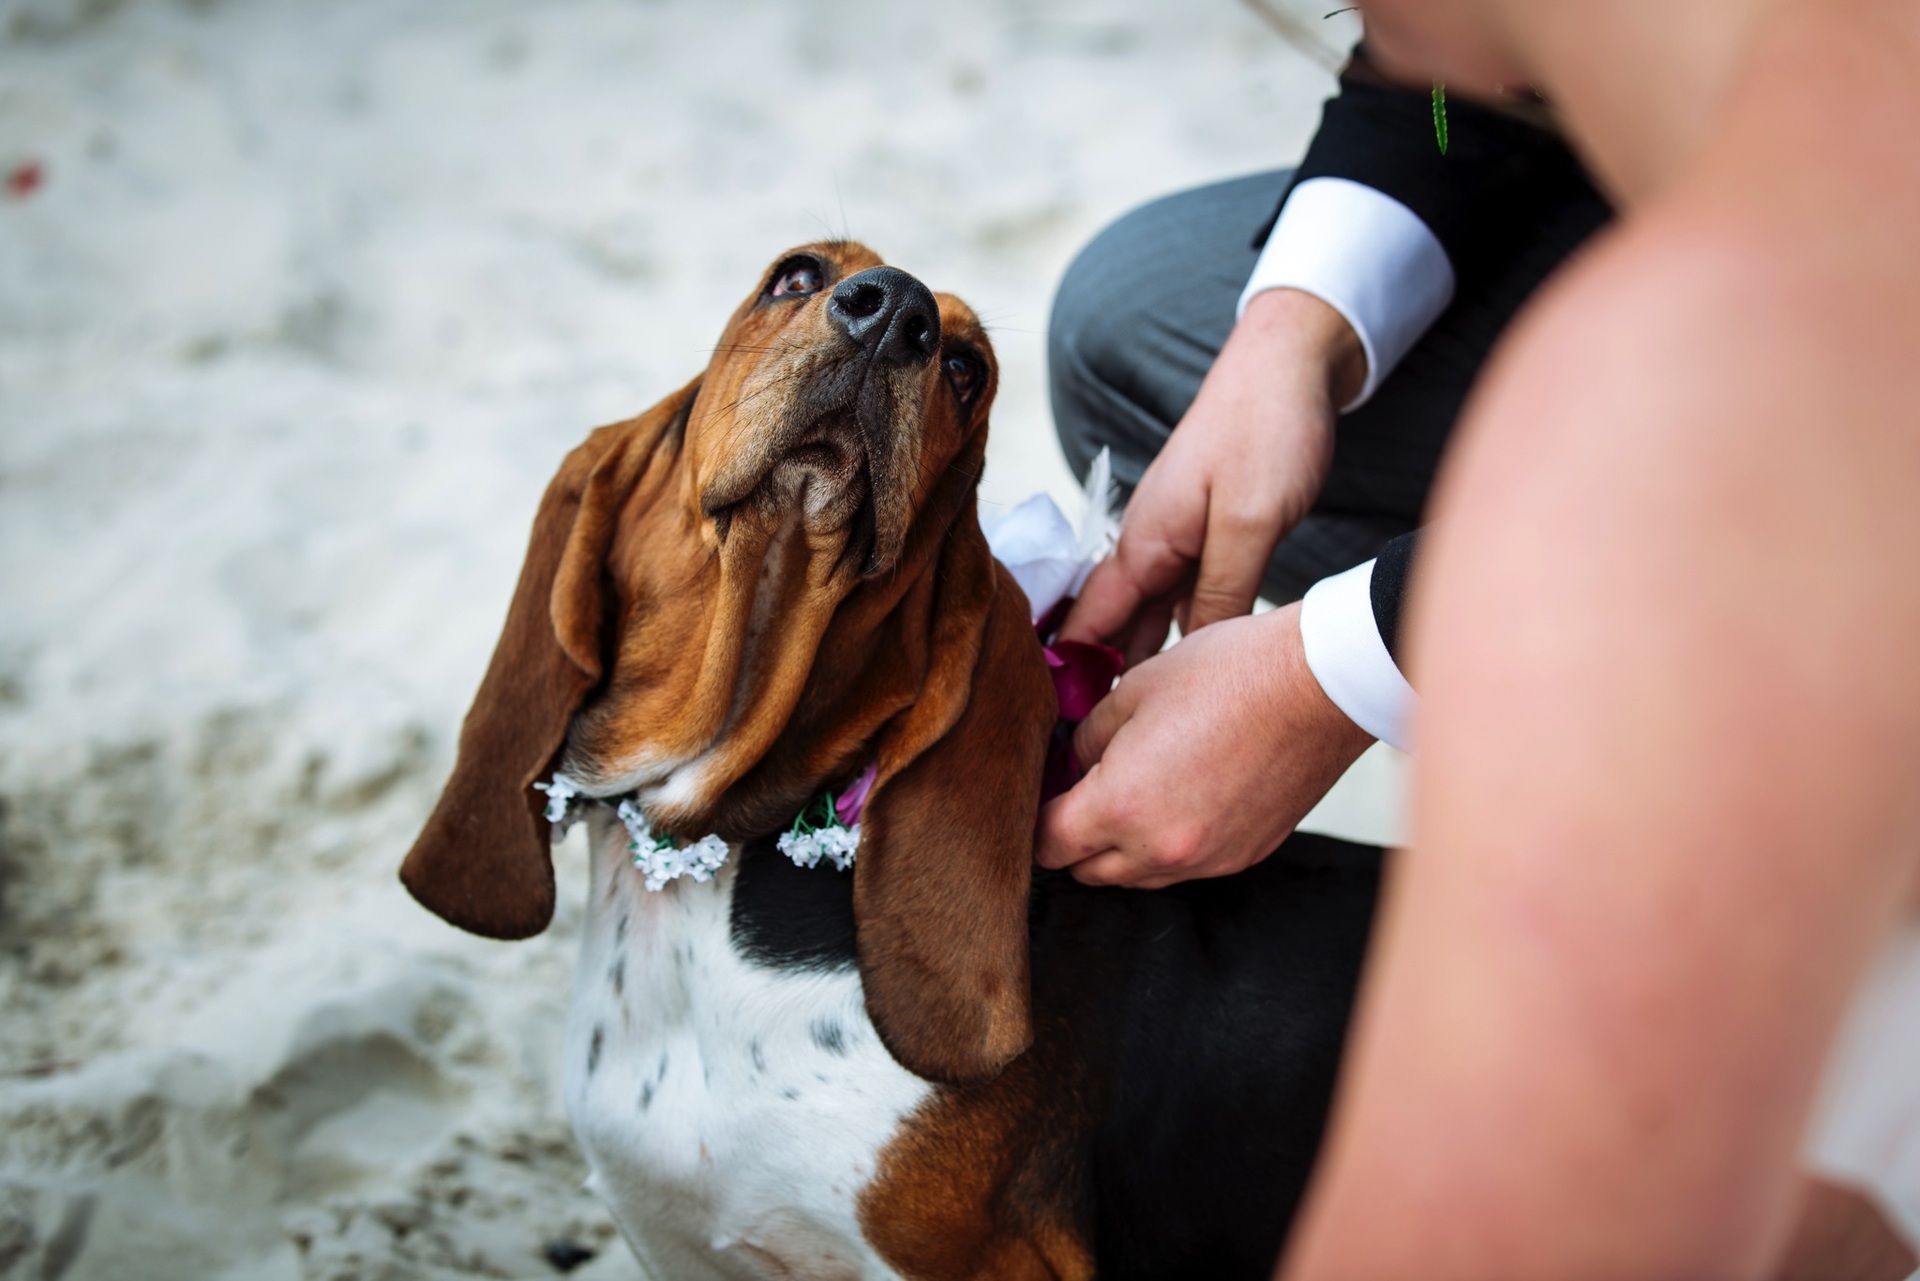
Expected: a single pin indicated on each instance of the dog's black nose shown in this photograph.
(888, 313)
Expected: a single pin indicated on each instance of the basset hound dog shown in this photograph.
(773, 587)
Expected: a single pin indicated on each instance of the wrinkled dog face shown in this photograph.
(838, 392)
(843, 401)
(765, 583)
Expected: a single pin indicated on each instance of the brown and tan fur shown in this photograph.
(744, 595)
(734, 600)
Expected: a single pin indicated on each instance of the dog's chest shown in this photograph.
(731, 1111)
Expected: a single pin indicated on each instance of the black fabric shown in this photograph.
(1210, 1019)
(1498, 176)
(1187, 1042)
(1391, 571)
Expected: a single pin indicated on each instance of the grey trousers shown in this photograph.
(1147, 305)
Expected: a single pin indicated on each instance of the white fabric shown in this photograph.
(1036, 542)
(1367, 256)
(1348, 658)
(1046, 555)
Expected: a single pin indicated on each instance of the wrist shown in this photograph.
(1295, 686)
(1306, 324)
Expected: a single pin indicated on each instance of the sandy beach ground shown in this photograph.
(300, 304)
(302, 311)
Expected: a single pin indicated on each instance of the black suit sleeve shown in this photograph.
(1391, 571)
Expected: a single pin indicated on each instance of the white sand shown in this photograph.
(310, 304)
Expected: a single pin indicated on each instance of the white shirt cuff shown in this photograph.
(1365, 255)
(1348, 658)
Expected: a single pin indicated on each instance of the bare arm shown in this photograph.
(1664, 797)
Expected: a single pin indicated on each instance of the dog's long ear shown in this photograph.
(946, 849)
(483, 860)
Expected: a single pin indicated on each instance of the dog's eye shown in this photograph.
(798, 277)
(964, 374)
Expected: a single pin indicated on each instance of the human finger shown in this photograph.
(1091, 736)
(1112, 867)
(1144, 566)
(1239, 544)
(1107, 603)
(1068, 830)
(1148, 635)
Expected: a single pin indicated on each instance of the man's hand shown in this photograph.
(1201, 760)
(1241, 469)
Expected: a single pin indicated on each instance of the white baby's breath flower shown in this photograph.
(658, 865)
(839, 844)
(561, 794)
(802, 847)
(636, 822)
(836, 844)
(704, 857)
(659, 860)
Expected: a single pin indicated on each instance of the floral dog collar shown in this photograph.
(828, 827)
(1050, 559)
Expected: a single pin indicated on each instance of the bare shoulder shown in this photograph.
(1730, 317)
(1779, 277)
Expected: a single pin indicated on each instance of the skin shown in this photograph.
(1663, 805)
(1240, 470)
(1664, 802)
(1242, 680)
(1218, 710)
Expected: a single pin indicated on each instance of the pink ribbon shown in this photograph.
(1082, 675)
(850, 804)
